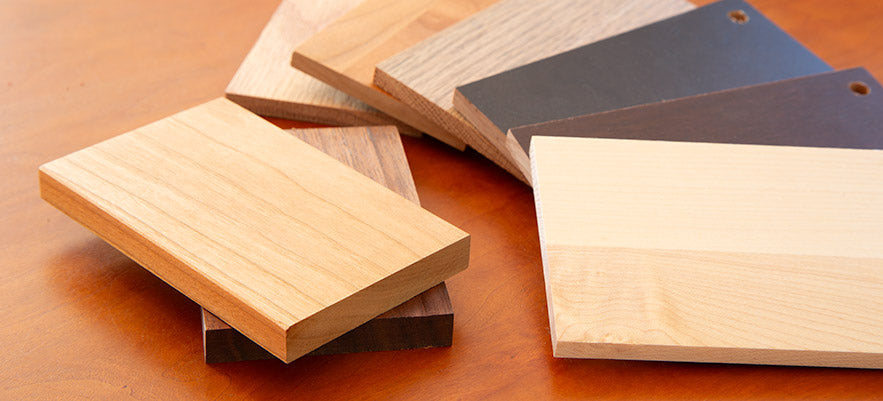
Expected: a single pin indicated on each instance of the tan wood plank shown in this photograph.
(423, 321)
(204, 198)
(711, 252)
(265, 82)
(504, 36)
(344, 53)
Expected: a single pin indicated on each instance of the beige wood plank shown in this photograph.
(265, 82)
(281, 241)
(504, 36)
(711, 252)
(344, 53)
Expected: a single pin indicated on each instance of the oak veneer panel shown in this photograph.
(265, 82)
(281, 241)
(819, 110)
(426, 320)
(506, 35)
(344, 53)
(696, 52)
(708, 252)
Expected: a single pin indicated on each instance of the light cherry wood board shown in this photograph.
(721, 46)
(344, 53)
(276, 238)
(842, 109)
(265, 82)
(426, 320)
(504, 36)
(704, 252)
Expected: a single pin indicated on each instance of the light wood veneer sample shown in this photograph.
(426, 320)
(344, 53)
(721, 46)
(707, 252)
(504, 36)
(265, 82)
(842, 109)
(281, 241)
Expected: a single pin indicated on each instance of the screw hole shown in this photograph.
(859, 88)
(738, 17)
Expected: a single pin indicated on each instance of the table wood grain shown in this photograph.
(82, 321)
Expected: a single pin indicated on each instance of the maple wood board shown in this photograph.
(284, 243)
(706, 252)
(265, 82)
(841, 109)
(697, 52)
(426, 320)
(506, 35)
(344, 53)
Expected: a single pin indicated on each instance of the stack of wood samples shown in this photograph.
(706, 187)
(286, 244)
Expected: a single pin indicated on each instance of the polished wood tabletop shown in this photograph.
(82, 321)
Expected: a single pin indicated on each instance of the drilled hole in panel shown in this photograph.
(738, 16)
(859, 88)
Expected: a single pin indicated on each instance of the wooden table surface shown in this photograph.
(82, 321)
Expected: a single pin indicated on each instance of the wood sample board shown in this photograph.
(842, 109)
(705, 252)
(266, 84)
(344, 53)
(506, 35)
(426, 320)
(724, 45)
(287, 245)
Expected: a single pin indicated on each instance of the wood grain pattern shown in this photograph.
(506, 35)
(247, 228)
(265, 82)
(115, 331)
(819, 110)
(426, 320)
(344, 53)
(697, 52)
(707, 252)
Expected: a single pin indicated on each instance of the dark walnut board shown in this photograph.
(721, 46)
(426, 320)
(841, 109)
